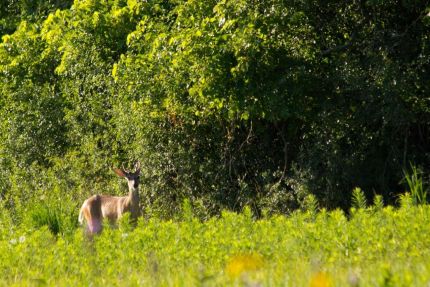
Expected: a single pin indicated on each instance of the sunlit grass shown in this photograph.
(373, 247)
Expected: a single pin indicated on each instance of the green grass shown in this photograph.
(371, 247)
(416, 184)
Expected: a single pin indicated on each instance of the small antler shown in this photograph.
(137, 166)
(123, 168)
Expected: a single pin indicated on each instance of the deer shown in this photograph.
(97, 208)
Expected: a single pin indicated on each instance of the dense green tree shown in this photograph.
(12, 12)
(225, 103)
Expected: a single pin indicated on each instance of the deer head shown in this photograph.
(131, 177)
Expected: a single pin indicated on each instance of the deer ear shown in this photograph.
(119, 172)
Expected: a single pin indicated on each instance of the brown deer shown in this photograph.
(99, 207)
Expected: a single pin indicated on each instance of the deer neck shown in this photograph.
(133, 196)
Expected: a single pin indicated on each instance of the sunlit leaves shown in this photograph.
(326, 249)
(222, 98)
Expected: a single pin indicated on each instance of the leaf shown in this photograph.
(358, 199)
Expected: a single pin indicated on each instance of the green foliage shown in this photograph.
(14, 11)
(388, 246)
(226, 104)
(378, 202)
(416, 185)
(310, 205)
(406, 200)
(359, 200)
(260, 107)
(58, 220)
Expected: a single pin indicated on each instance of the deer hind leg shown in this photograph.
(93, 215)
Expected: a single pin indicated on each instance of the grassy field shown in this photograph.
(370, 247)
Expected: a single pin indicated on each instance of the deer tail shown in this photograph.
(81, 215)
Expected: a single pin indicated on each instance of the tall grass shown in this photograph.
(58, 218)
(386, 246)
(416, 185)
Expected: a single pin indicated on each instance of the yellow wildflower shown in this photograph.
(320, 279)
(242, 263)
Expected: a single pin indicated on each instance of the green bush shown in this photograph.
(226, 104)
(370, 248)
(59, 219)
